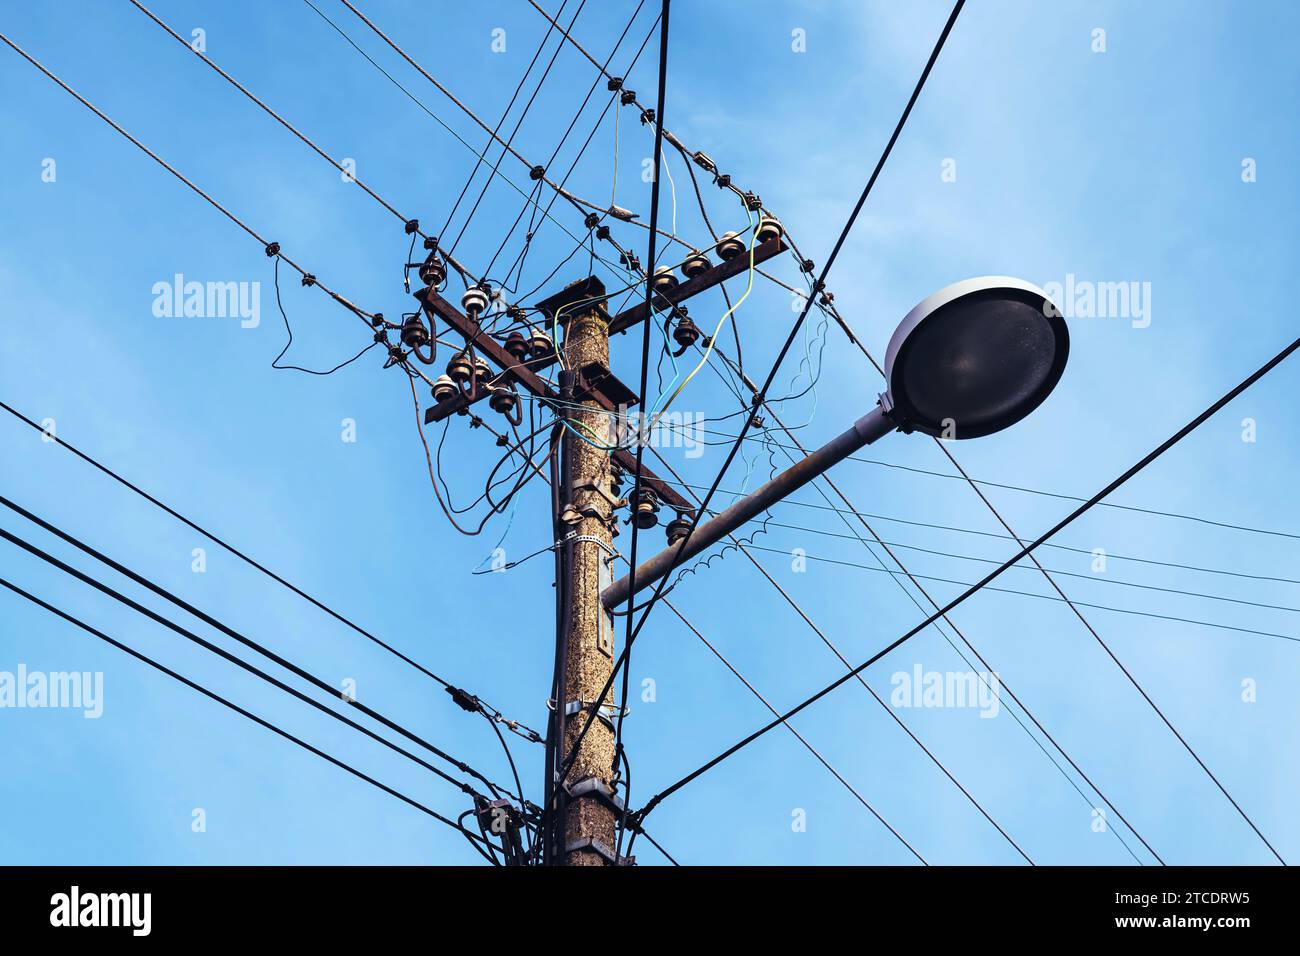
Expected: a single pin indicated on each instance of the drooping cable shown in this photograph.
(1151, 456)
(496, 714)
(193, 685)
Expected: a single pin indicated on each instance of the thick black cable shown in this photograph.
(992, 575)
(645, 372)
(212, 622)
(794, 331)
(251, 562)
(237, 709)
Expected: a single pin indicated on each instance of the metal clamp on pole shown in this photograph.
(592, 845)
(605, 712)
(599, 790)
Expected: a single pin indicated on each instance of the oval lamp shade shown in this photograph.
(975, 358)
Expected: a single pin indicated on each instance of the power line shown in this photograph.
(798, 736)
(583, 149)
(1232, 526)
(226, 655)
(744, 547)
(560, 145)
(270, 248)
(1043, 597)
(504, 113)
(988, 534)
(1098, 579)
(432, 115)
(992, 575)
(240, 710)
(514, 132)
(577, 201)
(794, 331)
(412, 225)
(455, 691)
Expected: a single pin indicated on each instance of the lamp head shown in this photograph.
(974, 358)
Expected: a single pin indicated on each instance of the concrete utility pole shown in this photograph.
(583, 814)
(587, 812)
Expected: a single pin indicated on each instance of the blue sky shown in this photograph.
(1115, 166)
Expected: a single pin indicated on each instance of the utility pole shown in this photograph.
(587, 803)
(583, 809)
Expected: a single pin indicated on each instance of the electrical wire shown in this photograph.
(798, 736)
(518, 123)
(236, 708)
(297, 368)
(496, 129)
(839, 243)
(308, 278)
(349, 173)
(564, 138)
(894, 519)
(1099, 579)
(576, 201)
(258, 566)
(726, 438)
(226, 655)
(994, 574)
(645, 371)
(420, 103)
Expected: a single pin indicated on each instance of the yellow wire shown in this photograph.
(722, 321)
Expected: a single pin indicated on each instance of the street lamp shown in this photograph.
(970, 360)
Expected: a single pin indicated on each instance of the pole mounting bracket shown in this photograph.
(597, 789)
(592, 845)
